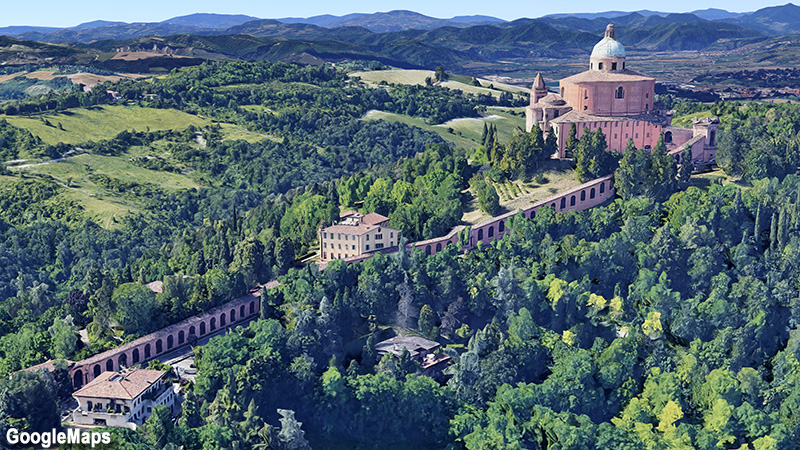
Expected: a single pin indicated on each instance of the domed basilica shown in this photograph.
(618, 101)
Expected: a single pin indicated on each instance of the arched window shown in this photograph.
(77, 382)
(562, 92)
(572, 201)
(146, 351)
(591, 193)
(222, 320)
(122, 360)
(563, 202)
(136, 356)
(491, 231)
(712, 137)
(439, 247)
(170, 341)
(252, 307)
(213, 324)
(233, 315)
(668, 137)
(600, 66)
(501, 227)
(241, 312)
(602, 187)
(427, 249)
(97, 370)
(159, 346)
(620, 93)
(202, 328)
(583, 195)
(480, 234)
(110, 365)
(192, 331)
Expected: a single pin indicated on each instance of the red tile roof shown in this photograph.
(126, 385)
(599, 75)
(374, 219)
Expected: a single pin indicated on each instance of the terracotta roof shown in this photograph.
(579, 117)
(550, 100)
(374, 219)
(356, 230)
(598, 75)
(680, 148)
(347, 213)
(127, 384)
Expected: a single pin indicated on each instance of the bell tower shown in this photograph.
(539, 89)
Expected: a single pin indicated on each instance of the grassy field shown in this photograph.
(456, 139)
(105, 207)
(559, 177)
(418, 77)
(102, 122)
(686, 121)
(506, 122)
(467, 132)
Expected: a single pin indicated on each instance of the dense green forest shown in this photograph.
(665, 319)
(636, 325)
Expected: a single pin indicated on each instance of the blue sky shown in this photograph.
(65, 13)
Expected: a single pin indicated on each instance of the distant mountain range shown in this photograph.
(403, 38)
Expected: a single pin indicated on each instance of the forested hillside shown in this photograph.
(665, 319)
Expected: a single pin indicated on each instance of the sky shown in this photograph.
(61, 13)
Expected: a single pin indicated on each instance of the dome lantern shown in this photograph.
(608, 55)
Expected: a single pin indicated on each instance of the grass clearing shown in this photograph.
(102, 122)
(472, 127)
(102, 206)
(686, 121)
(403, 76)
(456, 139)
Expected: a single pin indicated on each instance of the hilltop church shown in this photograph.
(621, 103)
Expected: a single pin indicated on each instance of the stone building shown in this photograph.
(620, 102)
(421, 350)
(124, 399)
(356, 234)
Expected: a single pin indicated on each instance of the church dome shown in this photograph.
(608, 48)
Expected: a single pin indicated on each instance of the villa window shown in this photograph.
(367, 246)
(367, 237)
(378, 236)
(620, 93)
(378, 246)
(613, 66)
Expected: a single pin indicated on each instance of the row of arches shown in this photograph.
(496, 230)
(163, 344)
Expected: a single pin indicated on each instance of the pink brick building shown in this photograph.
(620, 102)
